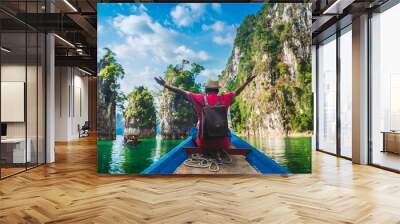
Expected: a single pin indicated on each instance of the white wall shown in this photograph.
(62, 81)
(80, 102)
(71, 102)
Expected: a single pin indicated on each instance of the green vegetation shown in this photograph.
(109, 96)
(177, 114)
(141, 108)
(262, 40)
(182, 77)
(112, 69)
(111, 73)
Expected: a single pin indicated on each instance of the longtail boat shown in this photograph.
(172, 161)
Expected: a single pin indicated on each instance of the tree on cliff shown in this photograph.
(109, 95)
(140, 112)
(275, 45)
(176, 114)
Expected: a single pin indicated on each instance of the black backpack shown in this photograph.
(214, 120)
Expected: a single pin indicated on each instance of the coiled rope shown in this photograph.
(210, 161)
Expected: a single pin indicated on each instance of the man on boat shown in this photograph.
(211, 99)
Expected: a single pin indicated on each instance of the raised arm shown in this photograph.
(174, 89)
(241, 88)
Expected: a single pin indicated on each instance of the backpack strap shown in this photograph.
(205, 100)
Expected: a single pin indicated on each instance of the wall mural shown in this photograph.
(200, 88)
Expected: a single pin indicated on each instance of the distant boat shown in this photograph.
(172, 162)
(131, 136)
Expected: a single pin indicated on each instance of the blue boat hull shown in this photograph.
(174, 158)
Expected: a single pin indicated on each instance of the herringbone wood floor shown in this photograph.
(70, 191)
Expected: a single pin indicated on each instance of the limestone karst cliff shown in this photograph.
(177, 115)
(109, 96)
(275, 45)
(140, 113)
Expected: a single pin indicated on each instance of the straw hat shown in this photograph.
(212, 84)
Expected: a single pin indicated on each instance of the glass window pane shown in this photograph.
(41, 98)
(13, 86)
(23, 87)
(385, 88)
(31, 97)
(346, 94)
(327, 96)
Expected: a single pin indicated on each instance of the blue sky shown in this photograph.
(148, 37)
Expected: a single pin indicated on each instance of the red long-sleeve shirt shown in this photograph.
(212, 99)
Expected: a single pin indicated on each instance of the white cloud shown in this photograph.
(136, 24)
(144, 37)
(211, 72)
(216, 7)
(140, 8)
(183, 52)
(203, 56)
(186, 14)
(143, 78)
(226, 39)
(100, 53)
(217, 26)
(148, 38)
(167, 23)
(147, 48)
(223, 34)
(208, 73)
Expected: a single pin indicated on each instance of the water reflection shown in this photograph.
(117, 157)
(158, 148)
(294, 153)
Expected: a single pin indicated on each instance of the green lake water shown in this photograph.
(293, 153)
(115, 157)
